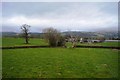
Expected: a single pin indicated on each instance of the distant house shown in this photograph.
(98, 40)
(83, 40)
(89, 40)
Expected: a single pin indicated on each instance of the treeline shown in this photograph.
(54, 37)
(51, 35)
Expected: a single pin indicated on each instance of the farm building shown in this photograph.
(90, 40)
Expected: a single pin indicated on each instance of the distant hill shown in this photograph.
(8, 34)
(35, 34)
(73, 33)
(14, 34)
(79, 34)
(93, 34)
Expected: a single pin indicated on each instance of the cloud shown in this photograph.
(87, 16)
(19, 20)
(60, 0)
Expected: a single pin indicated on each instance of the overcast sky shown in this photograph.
(64, 16)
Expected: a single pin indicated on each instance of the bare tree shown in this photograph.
(25, 32)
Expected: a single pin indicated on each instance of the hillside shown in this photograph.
(73, 33)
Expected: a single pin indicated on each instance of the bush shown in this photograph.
(53, 37)
(61, 41)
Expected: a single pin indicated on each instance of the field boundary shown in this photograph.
(15, 47)
(18, 47)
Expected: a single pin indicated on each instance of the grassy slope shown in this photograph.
(60, 62)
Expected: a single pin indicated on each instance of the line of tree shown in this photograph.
(53, 36)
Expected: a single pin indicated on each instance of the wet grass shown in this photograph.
(38, 41)
(60, 63)
(21, 42)
(116, 44)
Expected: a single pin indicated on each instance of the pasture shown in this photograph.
(21, 42)
(37, 41)
(57, 62)
(115, 44)
(60, 63)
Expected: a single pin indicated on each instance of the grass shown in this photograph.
(36, 41)
(60, 63)
(101, 44)
(21, 42)
(0, 59)
(0, 63)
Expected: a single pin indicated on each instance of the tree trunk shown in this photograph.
(26, 38)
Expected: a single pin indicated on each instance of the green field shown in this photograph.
(37, 41)
(21, 42)
(58, 62)
(101, 44)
